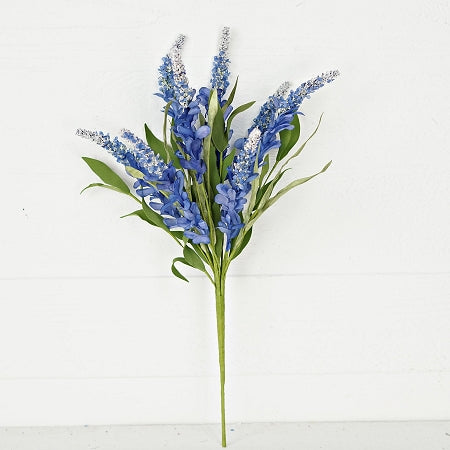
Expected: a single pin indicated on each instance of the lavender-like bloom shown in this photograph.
(277, 113)
(139, 156)
(182, 92)
(231, 194)
(242, 169)
(282, 90)
(268, 111)
(144, 155)
(231, 203)
(220, 71)
(295, 98)
(115, 147)
(165, 80)
(159, 177)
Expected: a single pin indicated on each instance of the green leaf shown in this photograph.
(209, 151)
(171, 149)
(237, 111)
(107, 186)
(219, 235)
(178, 234)
(219, 242)
(304, 144)
(243, 244)
(291, 186)
(134, 172)
(289, 138)
(264, 170)
(141, 214)
(170, 155)
(266, 191)
(152, 216)
(228, 160)
(138, 213)
(175, 270)
(193, 259)
(106, 174)
(154, 143)
(219, 137)
(231, 97)
(199, 251)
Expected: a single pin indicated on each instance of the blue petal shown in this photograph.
(202, 132)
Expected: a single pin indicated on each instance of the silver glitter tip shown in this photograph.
(252, 140)
(282, 90)
(179, 42)
(330, 75)
(224, 40)
(91, 135)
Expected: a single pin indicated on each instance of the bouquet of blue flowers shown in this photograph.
(205, 189)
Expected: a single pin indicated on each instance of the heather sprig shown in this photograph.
(198, 183)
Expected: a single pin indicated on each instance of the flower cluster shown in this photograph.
(174, 186)
(161, 183)
(231, 194)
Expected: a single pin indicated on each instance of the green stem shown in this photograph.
(220, 315)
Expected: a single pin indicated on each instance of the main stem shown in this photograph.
(219, 284)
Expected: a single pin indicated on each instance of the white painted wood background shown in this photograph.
(340, 307)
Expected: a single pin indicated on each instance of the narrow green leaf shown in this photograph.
(285, 137)
(153, 216)
(243, 244)
(304, 144)
(193, 259)
(266, 191)
(209, 151)
(139, 213)
(178, 234)
(213, 106)
(264, 170)
(172, 149)
(107, 186)
(175, 270)
(200, 252)
(237, 111)
(219, 242)
(154, 143)
(231, 97)
(228, 160)
(219, 136)
(106, 174)
(134, 172)
(219, 235)
(289, 138)
(291, 186)
(166, 145)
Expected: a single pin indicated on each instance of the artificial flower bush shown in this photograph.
(199, 184)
